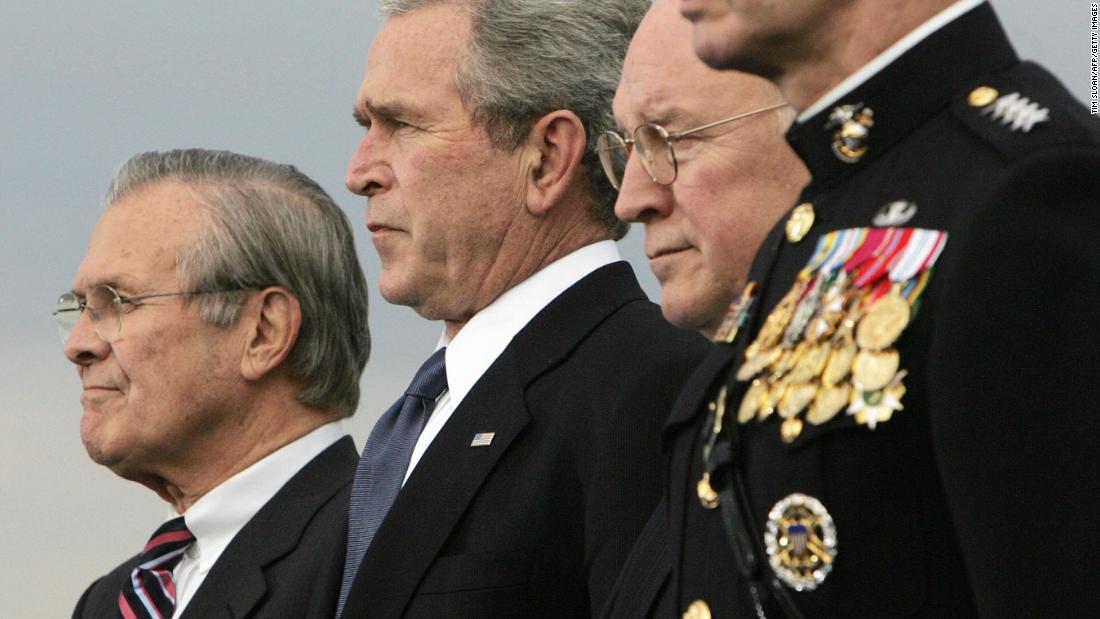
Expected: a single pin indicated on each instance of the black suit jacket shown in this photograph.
(286, 562)
(537, 524)
(972, 500)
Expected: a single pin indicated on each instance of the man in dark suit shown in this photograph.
(219, 326)
(902, 428)
(512, 478)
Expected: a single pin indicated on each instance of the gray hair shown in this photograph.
(527, 58)
(268, 224)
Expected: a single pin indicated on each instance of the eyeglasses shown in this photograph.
(654, 144)
(105, 305)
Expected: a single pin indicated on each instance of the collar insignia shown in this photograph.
(851, 125)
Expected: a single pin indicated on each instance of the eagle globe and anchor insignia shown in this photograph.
(800, 542)
(851, 126)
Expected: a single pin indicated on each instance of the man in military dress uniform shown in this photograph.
(904, 425)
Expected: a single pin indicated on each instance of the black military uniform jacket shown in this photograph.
(978, 497)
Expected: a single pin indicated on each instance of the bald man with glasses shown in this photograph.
(702, 163)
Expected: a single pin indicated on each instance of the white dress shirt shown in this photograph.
(481, 340)
(217, 517)
(890, 54)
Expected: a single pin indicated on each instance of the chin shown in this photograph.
(702, 313)
(723, 50)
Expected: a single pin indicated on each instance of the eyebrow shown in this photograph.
(121, 283)
(387, 110)
(663, 117)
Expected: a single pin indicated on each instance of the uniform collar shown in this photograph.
(908, 91)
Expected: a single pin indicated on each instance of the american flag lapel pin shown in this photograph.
(482, 439)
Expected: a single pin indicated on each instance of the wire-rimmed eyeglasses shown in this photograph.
(654, 145)
(106, 306)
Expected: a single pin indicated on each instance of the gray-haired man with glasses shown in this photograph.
(219, 327)
(708, 193)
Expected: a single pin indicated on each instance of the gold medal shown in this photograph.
(750, 404)
(872, 370)
(832, 309)
(756, 363)
(811, 361)
(840, 360)
(777, 320)
(790, 430)
(771, 399)
(884, 322)
(782, 364)
(708, 498)
(697, 610)
(795, 398)
(829, 401)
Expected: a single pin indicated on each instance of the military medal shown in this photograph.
(697, 610)
(736, 314)
(757, 363)
(790, 429)
(829, 401)
(871, 407)
(811, 361)
(827, 346)
(750, 403)
(884, 321)
(795, 398)
(800, 541)
(839, 364)
(873, 370)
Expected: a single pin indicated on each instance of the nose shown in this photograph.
(641, 199)
(83, 346)
(368, 171)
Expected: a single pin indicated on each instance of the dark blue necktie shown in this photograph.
(385, 461)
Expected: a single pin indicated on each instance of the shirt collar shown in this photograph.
(217, 517)
(488, 333)
(888, 55)
(944, 66)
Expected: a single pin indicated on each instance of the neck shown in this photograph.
(857, 34)
(537, 252)
(233, 449)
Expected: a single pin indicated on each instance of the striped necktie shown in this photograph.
(150, 593)
(384, 463)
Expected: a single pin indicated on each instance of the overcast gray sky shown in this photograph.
(87, 84)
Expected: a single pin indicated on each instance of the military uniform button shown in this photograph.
(800, 222)
(697, 610)
(982, 96)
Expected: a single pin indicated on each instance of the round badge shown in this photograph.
(800, 541)
(883, 323)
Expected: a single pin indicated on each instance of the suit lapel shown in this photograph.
(451, 471)
(236, 583)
